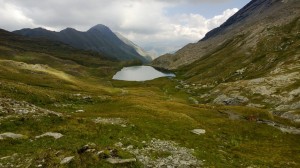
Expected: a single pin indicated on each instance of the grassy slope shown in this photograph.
(278, 44)
(155, 108)
(277, 50)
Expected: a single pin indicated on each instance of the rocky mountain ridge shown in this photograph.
(98, 38)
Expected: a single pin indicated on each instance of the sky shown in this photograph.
(158, 26)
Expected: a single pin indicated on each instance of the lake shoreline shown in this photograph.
(140, 73)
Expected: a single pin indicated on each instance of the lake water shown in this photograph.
(140, 73)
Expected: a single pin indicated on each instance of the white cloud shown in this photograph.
(219, 19)
(143, 21)
(12, 17)
(181, 29)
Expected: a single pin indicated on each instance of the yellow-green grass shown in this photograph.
(153, 110)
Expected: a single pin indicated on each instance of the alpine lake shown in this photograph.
(140, 73)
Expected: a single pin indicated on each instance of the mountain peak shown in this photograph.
(99, 38)
(100, 27)
(69, 30)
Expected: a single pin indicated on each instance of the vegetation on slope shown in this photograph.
(78, 86)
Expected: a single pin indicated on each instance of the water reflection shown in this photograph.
(140, 73)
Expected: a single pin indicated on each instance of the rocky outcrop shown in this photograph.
(232, 100)
(174, 155)
(15, 160)
(10, 108)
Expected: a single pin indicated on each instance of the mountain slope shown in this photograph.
(251, 22)
(19, 49)
(99, 38)
(138, 49)
(251, 60)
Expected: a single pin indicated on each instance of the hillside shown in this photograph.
(251, 60)
(256, 21)
(98, 38)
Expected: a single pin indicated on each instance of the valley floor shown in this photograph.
(78, 122)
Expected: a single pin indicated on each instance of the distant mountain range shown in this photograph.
(98, 38)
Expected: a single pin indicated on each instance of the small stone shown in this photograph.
(198, 131)
(79, 111)
(130, 147)
(119, 144)
(67, 160)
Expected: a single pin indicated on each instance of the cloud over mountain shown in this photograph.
(146, 22)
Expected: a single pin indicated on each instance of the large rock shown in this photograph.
(11, 135)
(50, 134)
